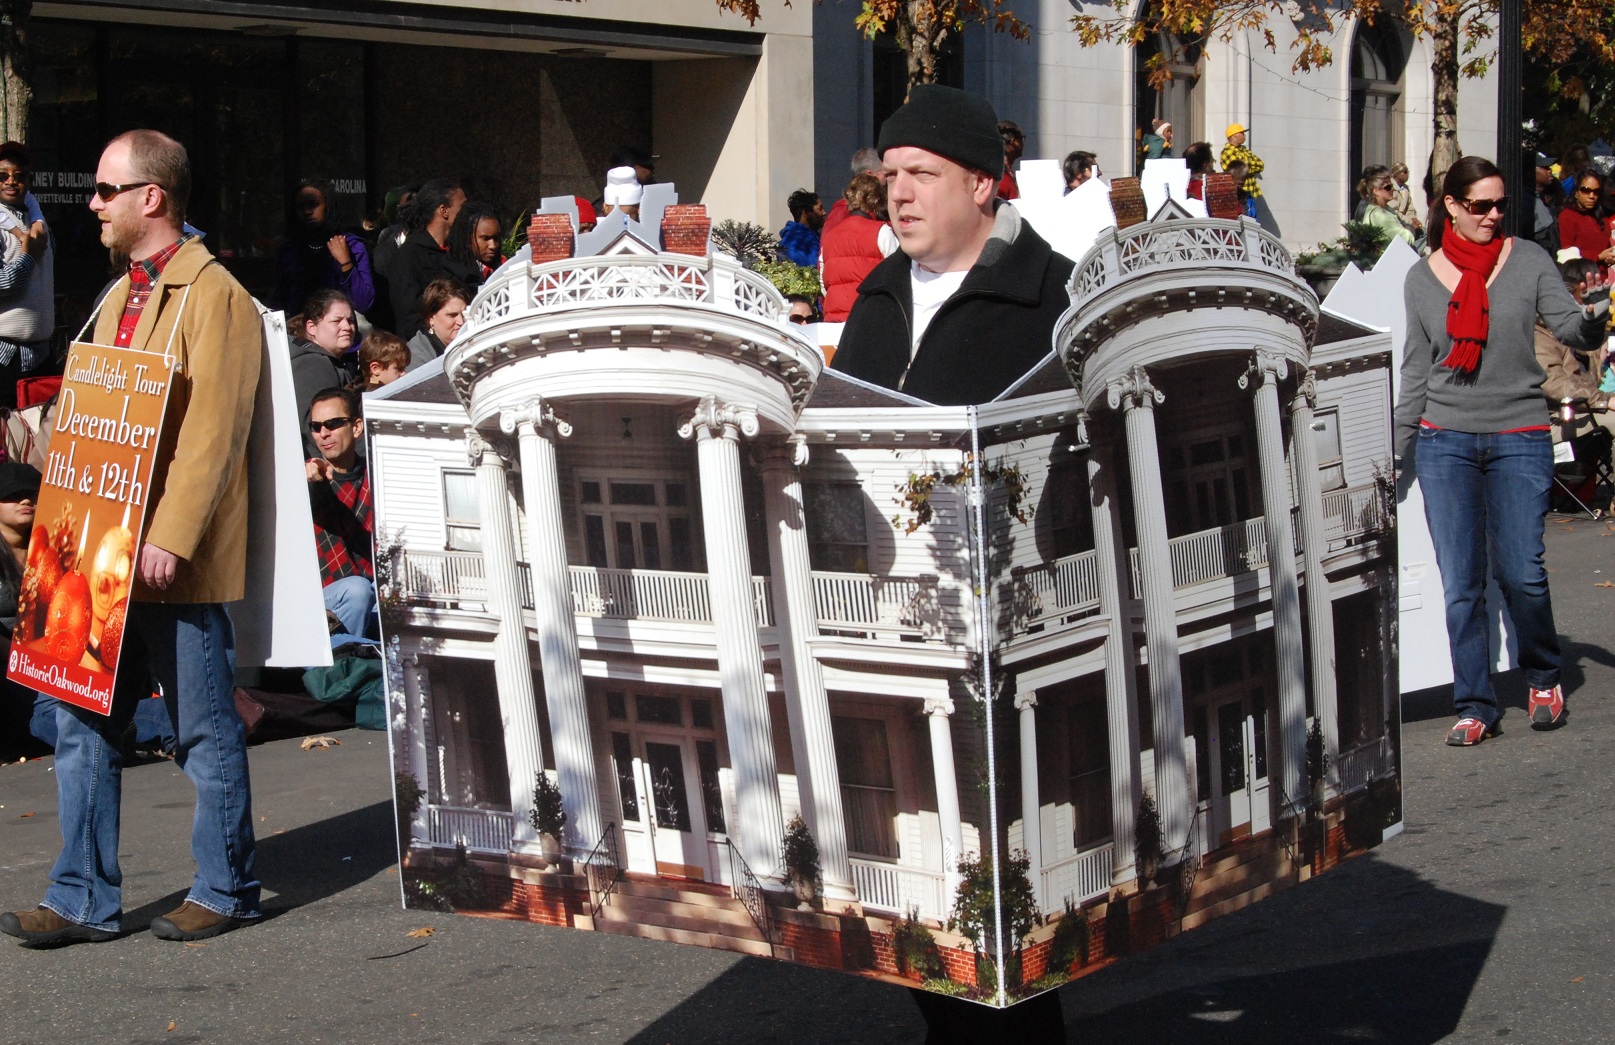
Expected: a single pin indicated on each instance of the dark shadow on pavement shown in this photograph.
(308, 863)
(1369, 952)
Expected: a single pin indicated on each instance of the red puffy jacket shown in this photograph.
(848, 252)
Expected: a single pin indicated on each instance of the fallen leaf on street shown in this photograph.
(1604, 584)
(196, 945)
(172, 1024)
(1577, 979)
(310, 743)
(416, 934)
(25, 816)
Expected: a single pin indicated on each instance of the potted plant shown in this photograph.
(800, 855)
(1068, 950)
(548, 816)
(976, 917)
(1147, 838)
(914, 949)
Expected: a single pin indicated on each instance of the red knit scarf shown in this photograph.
(1469, 311)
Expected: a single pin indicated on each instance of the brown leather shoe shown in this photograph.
(191, 921)
(43, 927)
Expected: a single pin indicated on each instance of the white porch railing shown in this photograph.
(1355, 512)
(654, 595)
(479, 830)
(877, 606)
(1226, 551)
(451, 577)
(897, 889)
(1078, 878)
(1054, 593)
(1363, 764)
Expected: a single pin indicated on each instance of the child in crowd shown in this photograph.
(383, 358)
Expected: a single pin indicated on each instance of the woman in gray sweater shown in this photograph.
(1472, 421)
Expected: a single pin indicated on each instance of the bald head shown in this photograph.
(155, 157)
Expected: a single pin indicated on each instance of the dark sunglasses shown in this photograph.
(802, 320)
(20, 177)
(1481, 208)
(106, 190)
(330, 424)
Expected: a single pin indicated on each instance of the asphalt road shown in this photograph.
(1488, 919)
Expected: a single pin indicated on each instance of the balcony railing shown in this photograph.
(1078, 878)
(1225, 551)
(877, 607)
(1363, 764)
(479, 830)
(1354, 513)
(655, 595)
(452, 578)
(1053, 594)
(898, 890)
(1176, 245)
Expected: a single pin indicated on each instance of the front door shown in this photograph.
(677, 827)
(1237, 747)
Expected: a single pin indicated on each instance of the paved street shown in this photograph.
(1488, 919)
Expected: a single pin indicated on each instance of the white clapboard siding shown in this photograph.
(406, 473)
(1363, 402)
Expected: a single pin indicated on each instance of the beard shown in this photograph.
(119, 237)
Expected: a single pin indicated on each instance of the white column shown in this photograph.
(513, 671)
(1291, 743)
(807, 704)
(938, 712)
(1314, 545)
(417, 706)
(1031, 815)
(537, 427)
(1138, 397)
(760, 830)
(1121, 703)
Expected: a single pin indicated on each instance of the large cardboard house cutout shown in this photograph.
(672, 607)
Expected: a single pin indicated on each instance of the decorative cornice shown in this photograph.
(1134, 389)
(537, 412)
(1267, 365)
(718, 418)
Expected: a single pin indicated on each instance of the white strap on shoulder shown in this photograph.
(96, 311)
(168, 349)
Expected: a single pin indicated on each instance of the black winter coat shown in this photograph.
(990, 333)
(418, 262)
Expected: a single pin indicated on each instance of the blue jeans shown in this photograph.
(189, 650)
(352, 599)
(1486, 498)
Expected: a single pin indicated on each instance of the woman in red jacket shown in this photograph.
(851, 250)
(1583, 223)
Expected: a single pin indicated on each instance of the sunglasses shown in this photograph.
(1591, 190)
(20, 177)
(801, 320)
(330, 424)
(1481, 208)
(106, 190)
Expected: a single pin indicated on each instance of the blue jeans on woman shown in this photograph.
(190, 651)
(1486, 499)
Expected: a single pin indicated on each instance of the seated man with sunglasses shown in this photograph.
(339, 493)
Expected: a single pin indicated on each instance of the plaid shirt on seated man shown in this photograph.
(343, 524)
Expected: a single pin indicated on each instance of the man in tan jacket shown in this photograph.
(176, 303)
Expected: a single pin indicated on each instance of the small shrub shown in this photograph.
(1048, 982)
(548, 816)
(747, 243)
(1147, 835)
(800, 853)
(1070, 942)
(789, 278)
(407, 799)
(948, 987)
(455, 888)
(914, 948)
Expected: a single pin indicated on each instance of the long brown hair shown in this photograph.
(1460, 176)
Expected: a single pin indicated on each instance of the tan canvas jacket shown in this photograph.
(198, 504)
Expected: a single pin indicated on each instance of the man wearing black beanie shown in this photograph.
(968, 303)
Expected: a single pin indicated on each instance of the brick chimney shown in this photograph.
(550, 236)
(685, 228)
(1222, 196)
(1127, 202)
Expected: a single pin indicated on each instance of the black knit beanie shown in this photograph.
(953, 124)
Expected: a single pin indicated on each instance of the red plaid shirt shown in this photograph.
(142, 278)
(343, 525)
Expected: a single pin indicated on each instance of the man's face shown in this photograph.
(124, 217)
(485, 241)
(15, 187)
(1237, 139)
(936, 205)
(814, 219)
(335, 444)
(1543, 177)
(1013, 147)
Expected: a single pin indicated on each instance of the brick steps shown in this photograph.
(696, 913)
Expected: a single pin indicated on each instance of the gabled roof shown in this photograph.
(1172, 210)
(1334, 328)
(838, 391)
(425, 384)
(1047, 376)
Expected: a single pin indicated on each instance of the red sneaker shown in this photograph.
(1468, 732)
(1546, 707)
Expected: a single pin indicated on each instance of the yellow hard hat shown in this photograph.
(1233, 129)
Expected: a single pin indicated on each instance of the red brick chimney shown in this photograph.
(685, 228)
(1222, 196)
(550, 236)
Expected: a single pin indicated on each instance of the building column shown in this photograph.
(807, 704)
(1137, 396)
(1314, 545)
(1031, 805)
(760, 830)
(513, 672)
(536, 427)
(1290, 745)
(1121, 703)
(938, 712)
(417, 706)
